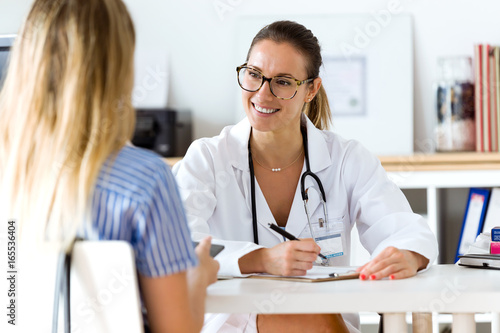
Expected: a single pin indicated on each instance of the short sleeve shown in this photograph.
(163, 239)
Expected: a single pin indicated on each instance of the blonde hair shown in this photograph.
(318, 110)
(65, 108)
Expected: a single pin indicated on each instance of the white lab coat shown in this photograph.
(214, 182)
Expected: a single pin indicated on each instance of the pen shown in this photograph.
(287, 235)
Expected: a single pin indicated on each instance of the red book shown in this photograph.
(493, 104)
(486, 98)
(478, 95)
(497, 89)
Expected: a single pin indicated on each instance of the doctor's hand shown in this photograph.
(289, 258)
(394, 264)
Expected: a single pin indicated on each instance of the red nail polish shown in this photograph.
(392, 277)
(372, 277)
(362, 277)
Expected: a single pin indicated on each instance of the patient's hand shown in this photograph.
(207, 269)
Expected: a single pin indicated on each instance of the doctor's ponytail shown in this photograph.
(303, 40)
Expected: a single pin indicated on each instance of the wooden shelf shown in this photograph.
(442, 161)
(172, 160)
(428, 162)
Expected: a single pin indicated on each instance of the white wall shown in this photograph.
(201, 40)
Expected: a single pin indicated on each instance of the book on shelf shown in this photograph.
(496, 91)
(492, 218)
(478, 102)
(487, 97)
(492, 99)
(472, 225)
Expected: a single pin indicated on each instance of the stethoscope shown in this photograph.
(303, 190)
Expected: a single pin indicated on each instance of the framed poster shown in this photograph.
(345, 83)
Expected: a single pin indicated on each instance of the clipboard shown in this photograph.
(316, 274)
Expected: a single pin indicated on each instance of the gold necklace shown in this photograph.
(279, 169)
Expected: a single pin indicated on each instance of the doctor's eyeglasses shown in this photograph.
(283, 87)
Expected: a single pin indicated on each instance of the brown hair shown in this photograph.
(318, 110)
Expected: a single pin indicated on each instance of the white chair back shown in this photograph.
(104, 289)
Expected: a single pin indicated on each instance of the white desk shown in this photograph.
(443, 288)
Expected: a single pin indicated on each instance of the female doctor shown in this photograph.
(235, 184)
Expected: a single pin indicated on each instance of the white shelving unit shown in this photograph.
(431, 175)
(370, 321)
(437, 173)
(434, 181)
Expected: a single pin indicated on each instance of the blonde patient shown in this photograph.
(67, 169)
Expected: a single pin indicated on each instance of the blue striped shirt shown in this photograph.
(136, 199)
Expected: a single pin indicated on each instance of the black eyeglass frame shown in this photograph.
(269, 79)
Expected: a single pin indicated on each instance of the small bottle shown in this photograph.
(454, 93)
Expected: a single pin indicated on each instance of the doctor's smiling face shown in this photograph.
(265, 111)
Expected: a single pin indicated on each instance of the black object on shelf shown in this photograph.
(168, 132)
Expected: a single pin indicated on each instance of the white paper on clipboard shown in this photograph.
(315, 274)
